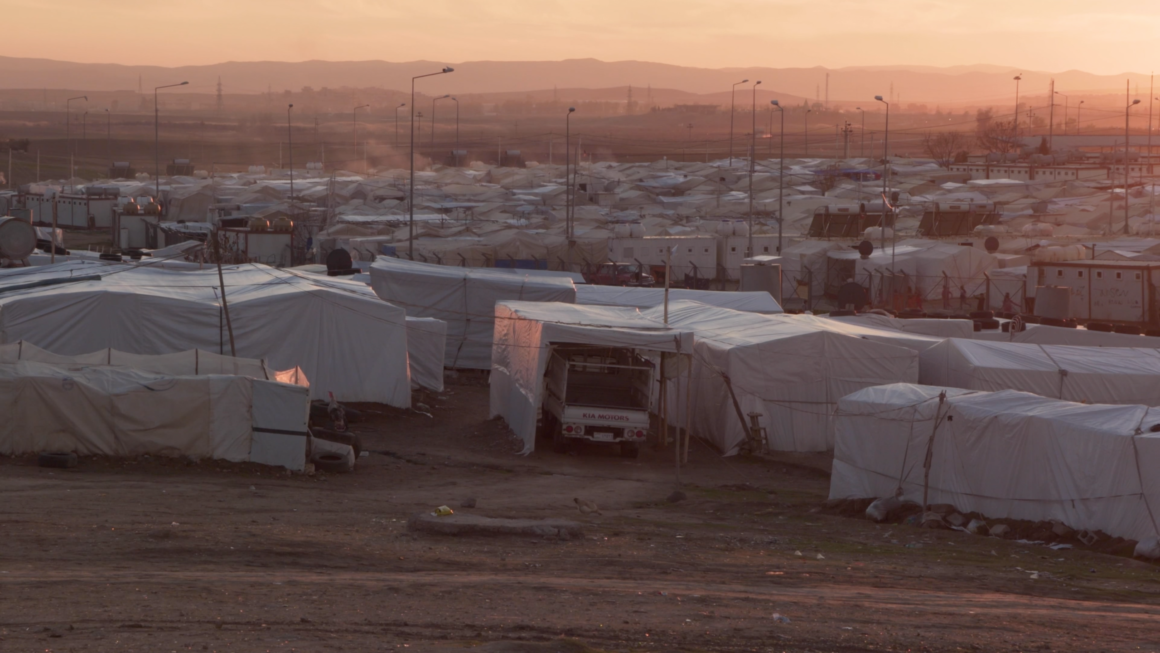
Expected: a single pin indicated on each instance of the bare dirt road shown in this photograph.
(169, 555)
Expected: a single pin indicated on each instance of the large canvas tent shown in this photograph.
(525, 332)
(1092, 375)
(464, 298)
(1004, 454)
(790, 369)
(347, 343)
(121, 411)
(753, 301)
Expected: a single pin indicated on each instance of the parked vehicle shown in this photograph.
(598, 394)
(621, 274)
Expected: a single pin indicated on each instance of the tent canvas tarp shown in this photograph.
(1092, 375)
(753, 302)
(464, 298)
(347, 343)
(790, 369)
(1004, 454)
(120, 411)
(525, 332)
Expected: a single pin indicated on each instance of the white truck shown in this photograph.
(599, 394)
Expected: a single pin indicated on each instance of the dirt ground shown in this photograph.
(175, 555)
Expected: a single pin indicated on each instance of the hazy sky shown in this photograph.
(1050, 35)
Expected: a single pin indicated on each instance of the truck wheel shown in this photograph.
(629, 450)
(560, 443)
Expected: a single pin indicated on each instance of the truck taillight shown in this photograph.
(640, 434)
(568, 429)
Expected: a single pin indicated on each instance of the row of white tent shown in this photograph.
(112, 403)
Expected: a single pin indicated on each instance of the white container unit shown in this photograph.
(693, 254)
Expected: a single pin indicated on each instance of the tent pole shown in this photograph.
(221, 281)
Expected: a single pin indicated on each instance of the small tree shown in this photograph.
(943, 147)
(996, 136)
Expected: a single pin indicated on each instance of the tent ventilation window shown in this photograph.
(1079, 275)
(1099, 275)
(1059, 273)
(1137, 276)
(1119, 275)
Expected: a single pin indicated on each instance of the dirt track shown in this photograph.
(167, 555)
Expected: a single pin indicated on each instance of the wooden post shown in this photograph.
(221, 281)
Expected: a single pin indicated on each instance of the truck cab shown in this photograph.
(599, 394)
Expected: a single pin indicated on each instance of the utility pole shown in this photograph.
(1051, 120)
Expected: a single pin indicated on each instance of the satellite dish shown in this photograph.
(865, 248)
(991, 244)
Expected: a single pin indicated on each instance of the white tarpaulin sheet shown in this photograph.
(922, 326)
(119, 411)
(524, 333)
(753, 302)
(183, 363)
(347, 343)
(464, 298)
(1091, 375)
(790, 369)
(1004, 454)
(426, 344)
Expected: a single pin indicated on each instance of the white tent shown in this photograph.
(1004, 454)
(1050, 335)
(790, 369)
(347, 343)
(922, 326)
(753, 302)
(923, 265)
(120, 411)
(426, 344)
(1091, 375)
(524, 333)
(183, 363)
(464, 298)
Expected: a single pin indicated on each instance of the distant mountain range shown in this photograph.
(962, 85)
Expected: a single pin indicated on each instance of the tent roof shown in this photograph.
(607, 325)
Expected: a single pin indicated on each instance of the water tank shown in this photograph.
(622, 230)
(257, 224)
(636, 230)
(17, 239)
(725, 227)
(1053, 302)
(740, 228)
(876, 233)
(131, 208)
(282, 224)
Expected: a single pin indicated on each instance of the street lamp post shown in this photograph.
(807, 132)
(688, 140)
(68, 119)
(443, 97)
(568, 182)
(157, 140)
(862, 142)
(732, 105)
(780, 173)
(354, 120)
(1126, 167)
(1065, 103)
(411, 192)
(1015, 123)
(108, 135)
(397, 124)
(84, 129)
(752, 160)
(290, 149)
(885, 177)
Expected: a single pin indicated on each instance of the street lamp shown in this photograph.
(807, 132)
(444, 97)
(456, 101)
(411, 193)
(780, 172)
(1015, 124)
(290, 149)
(732, 104)
(752, 158)
(68, 119)
(862, 142)
(885, 176)
(1078, 115)
(568, 181)
(1065, 103)
(397, 124)
(157, 140)
(1126, 110)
